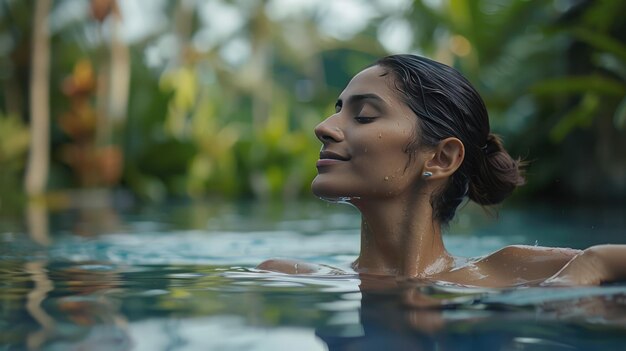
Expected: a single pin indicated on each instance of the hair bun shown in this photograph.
(497, 175)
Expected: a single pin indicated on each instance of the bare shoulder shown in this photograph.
(512, 265)
(531, 254)
(526, 262)
(289, 266)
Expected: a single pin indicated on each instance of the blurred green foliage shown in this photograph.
(224, 94)
(14, 138)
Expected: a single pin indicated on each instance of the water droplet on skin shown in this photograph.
(341, 200)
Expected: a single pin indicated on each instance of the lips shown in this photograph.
(330, 155)
(329, 158)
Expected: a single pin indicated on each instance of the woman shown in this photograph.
(408, 142)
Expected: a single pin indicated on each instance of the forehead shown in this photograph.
(372, 80)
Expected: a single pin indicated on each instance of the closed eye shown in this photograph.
(364, 120)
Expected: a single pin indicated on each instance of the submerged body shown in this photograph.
(409, 141)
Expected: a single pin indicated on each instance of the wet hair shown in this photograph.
(447, 105)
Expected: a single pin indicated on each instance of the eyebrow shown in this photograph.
(360, 97)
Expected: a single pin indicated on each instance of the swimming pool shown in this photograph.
(180, 277)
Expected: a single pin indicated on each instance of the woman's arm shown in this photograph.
(297, 267)
(595, 265)
(288, 266)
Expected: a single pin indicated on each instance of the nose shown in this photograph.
(328, 131)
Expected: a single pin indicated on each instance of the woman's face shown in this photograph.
(364, 152)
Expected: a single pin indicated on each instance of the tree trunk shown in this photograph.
(120, 73)
(38, 160)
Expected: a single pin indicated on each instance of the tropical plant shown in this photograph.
(220, 97)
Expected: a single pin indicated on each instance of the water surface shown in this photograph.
(182, 277)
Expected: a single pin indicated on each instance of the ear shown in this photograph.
(447, 158)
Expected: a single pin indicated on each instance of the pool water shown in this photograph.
(182, 277)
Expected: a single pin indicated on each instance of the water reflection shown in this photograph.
(42, 285)
(100, 306)
(420, 316)
(65, 302)
(180, 278)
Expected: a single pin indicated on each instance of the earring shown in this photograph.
(427, 174)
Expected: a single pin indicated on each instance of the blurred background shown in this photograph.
(145, 101)
(153, 151)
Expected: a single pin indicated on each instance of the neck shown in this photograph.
(400, 237)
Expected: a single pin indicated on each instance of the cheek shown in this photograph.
(387, 171)
(385, 155)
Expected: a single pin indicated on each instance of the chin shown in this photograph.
(329, 190)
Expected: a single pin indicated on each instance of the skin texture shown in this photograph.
(364, 157)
